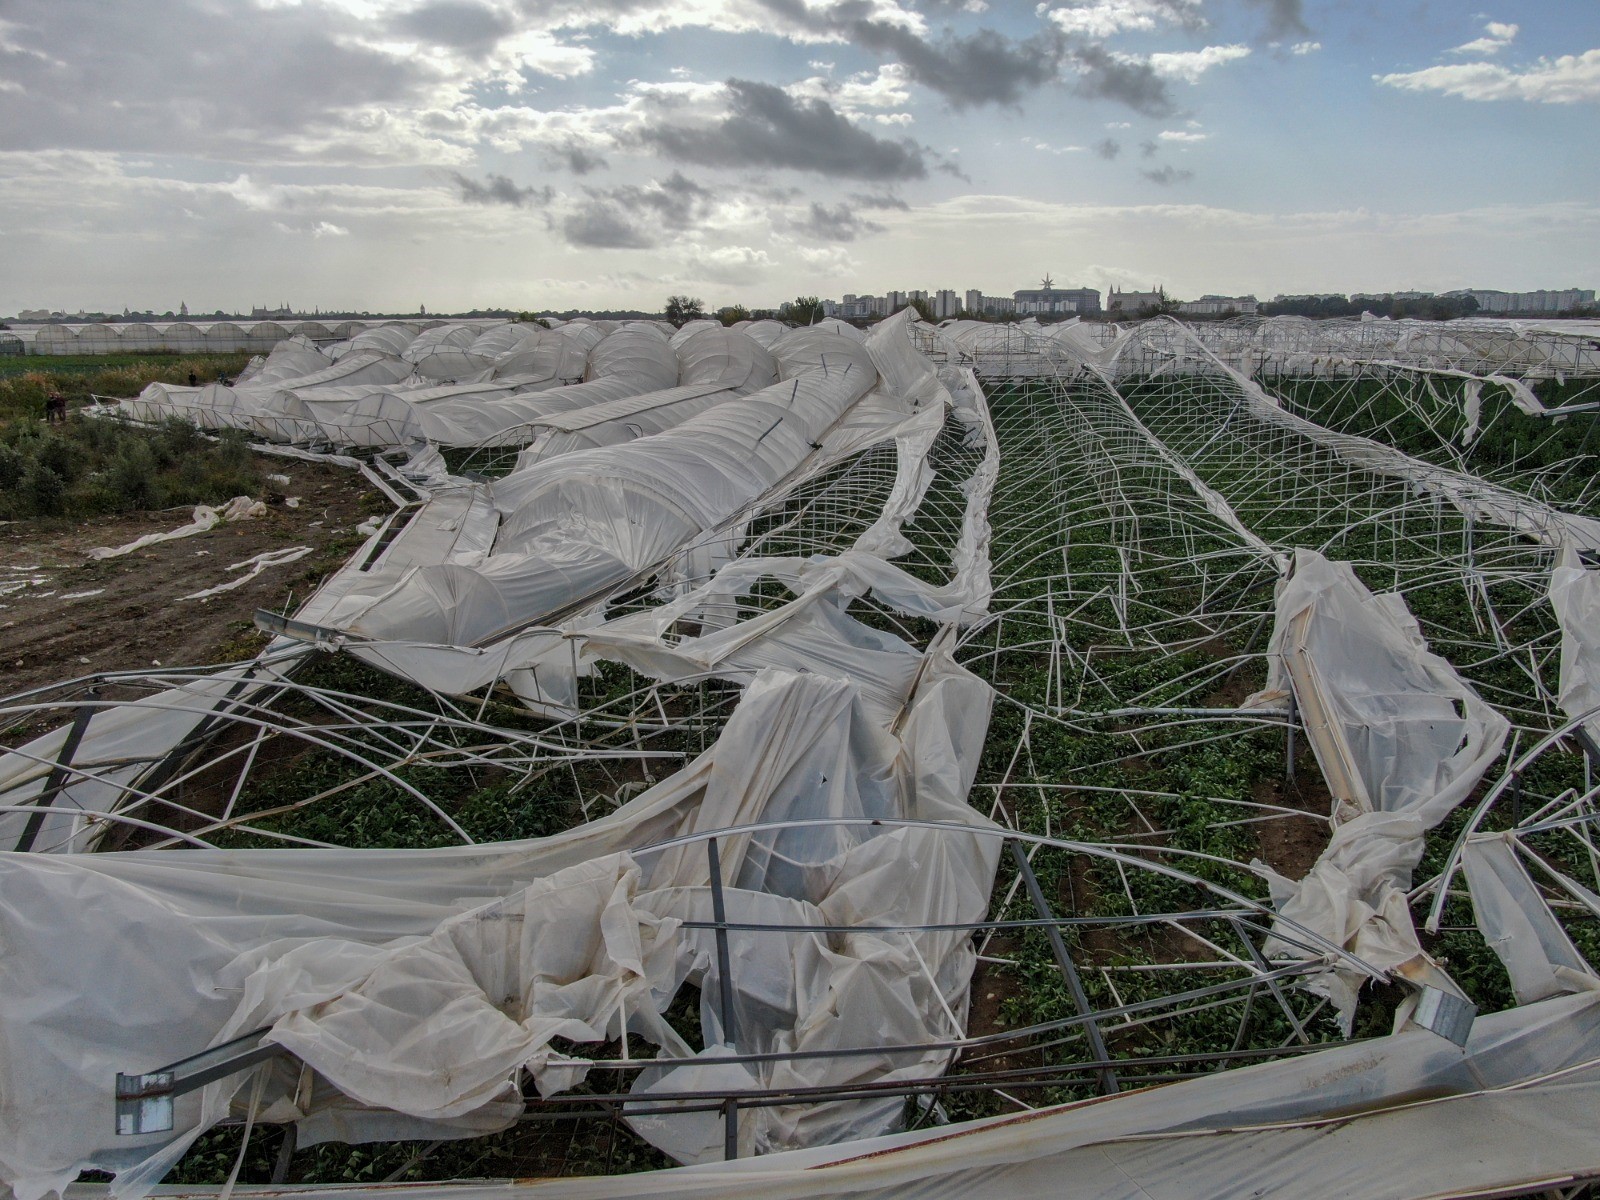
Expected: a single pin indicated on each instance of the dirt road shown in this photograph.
(63, 615)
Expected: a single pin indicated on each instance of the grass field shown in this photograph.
(26, 381)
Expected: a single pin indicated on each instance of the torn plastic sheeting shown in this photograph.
(253, 567)
(183, 945)
(542, 665)
(1403, 1117)
(205, 519)
(1402, 740)
(1518, 925)
(575, 525)
(1408, 732)
(121, 742)
(812, 633)
(1575, 597)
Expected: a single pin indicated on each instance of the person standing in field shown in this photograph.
(55, 408)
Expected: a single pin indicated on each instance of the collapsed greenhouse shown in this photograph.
(1038, 760)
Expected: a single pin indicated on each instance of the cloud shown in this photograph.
(729, 264)
(1190, 65)
(462, 24)
(631, 216)
(888, 88)
(837, 224)
(604, 228)
(497, 189)
(767, 128)
(1304, 48)
(329, 229)
(1166, 176)
(1047, 148)
(578, 159)
(1497, 35)
(1285, 18)
(1103, 74)
(1182, 135)
(1098, 19)
(984, 67)
(269, 83)
(1108, 148)
(879, 200)
(1570, 79)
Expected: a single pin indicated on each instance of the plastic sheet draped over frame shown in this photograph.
(1401, 739)
(372, 965)
(1403, 1117)
(1575, 596)
(579, 524)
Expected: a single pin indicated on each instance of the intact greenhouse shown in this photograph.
(1070, 760)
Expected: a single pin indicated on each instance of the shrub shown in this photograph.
(132, 476)
(44, 491)
(59, 455)
(12, 468)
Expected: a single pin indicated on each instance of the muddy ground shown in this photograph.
(63, 615)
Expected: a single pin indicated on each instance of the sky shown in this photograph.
(377, 155)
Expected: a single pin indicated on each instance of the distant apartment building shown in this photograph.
(857, 308)
(1564, 300)
(1213, 306)
(945, 304)
(1047, 298)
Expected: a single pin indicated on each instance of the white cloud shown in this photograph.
(889, 87)
(1182, 135)
(1570, 79)
(1497, 35)
(329, 229)
(728, 264)
(1304, 48)
(1099, 19)
(1046, 148)
(1189, 65)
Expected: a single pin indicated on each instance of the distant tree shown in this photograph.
(924, 309)
(528, 318)
(683, 309)
(733, 314)
(805, 310)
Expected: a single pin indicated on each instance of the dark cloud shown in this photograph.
(674, 203)
(985, 67)
(1285, 18)
(766, 127)
(602, 227)
(1149, 149)
(461, 24)
(497, 189)
(579, 160)
(1166, 176)
(837, 224)
(1108, 148)
(631, 217)
(1106, 76)
(879, 200)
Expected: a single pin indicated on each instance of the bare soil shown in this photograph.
(1290, 846)
(75, 616)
